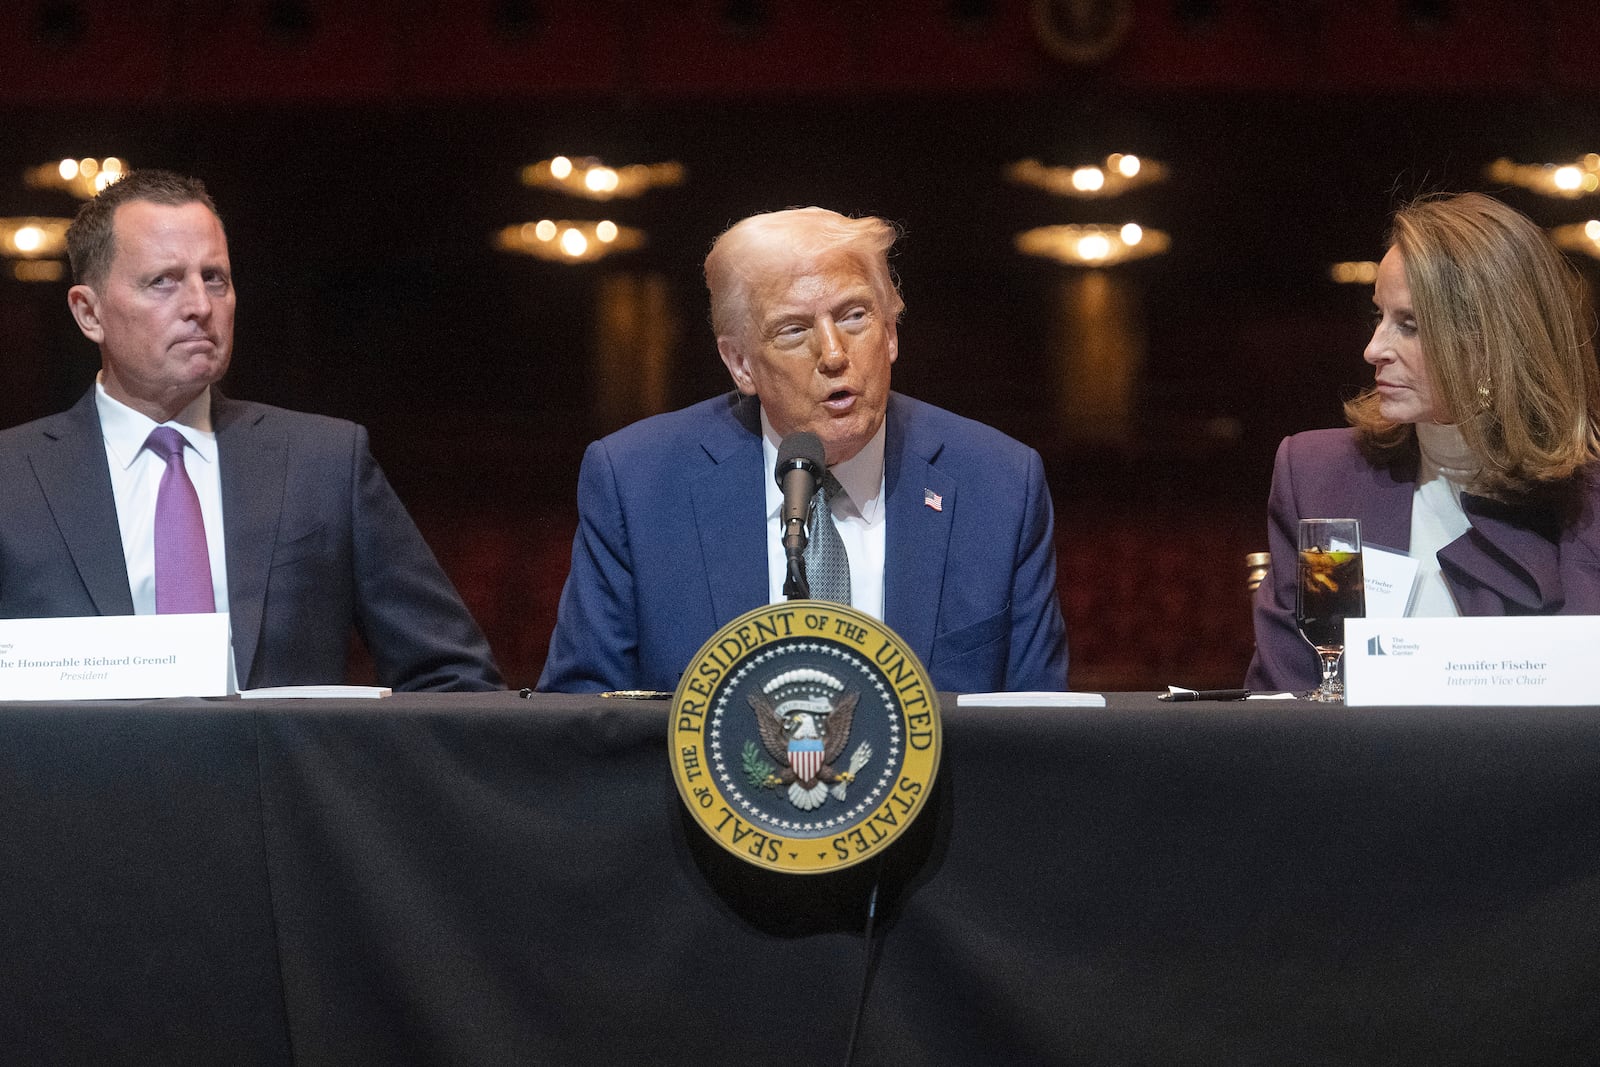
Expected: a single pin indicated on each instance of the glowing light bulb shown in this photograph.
(606, 231)
(1132, 234)
(600, 179)
(1567, 179)
(574, 243)
(1088, 179)
(28, 239)
(1591, 230)
(1093, 248)
(545, 230)
(560, 167)
(68, 169)
(1128, 165)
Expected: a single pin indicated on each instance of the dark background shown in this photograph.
(362, 156)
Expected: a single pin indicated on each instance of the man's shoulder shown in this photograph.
(921, 421)
(61, 424)
(229, 414)
(721, 418)
(13, 436)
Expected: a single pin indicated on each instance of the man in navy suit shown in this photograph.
(303, 536)
(947, 523)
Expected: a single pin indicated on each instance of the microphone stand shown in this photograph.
(802, 461)
(795, 584)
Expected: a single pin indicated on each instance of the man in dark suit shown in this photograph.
(947, 524)
(298, 534)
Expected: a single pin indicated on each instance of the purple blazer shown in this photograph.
(1515, 560)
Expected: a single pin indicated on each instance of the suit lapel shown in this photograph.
(918, 537)
(730, 513)
(1505, 565)
(1387, 493)
(71, 468)
(253, 464)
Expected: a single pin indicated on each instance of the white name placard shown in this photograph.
(1523, 660)
(114, 657)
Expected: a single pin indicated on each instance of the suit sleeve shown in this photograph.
(413, 621)
(595, 646)
(1038, 657)
(1283, 660)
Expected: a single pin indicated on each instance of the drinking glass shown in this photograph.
(1330, 590)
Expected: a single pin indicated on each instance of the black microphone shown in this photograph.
(801, 464)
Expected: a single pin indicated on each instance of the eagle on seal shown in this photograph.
(806, 745)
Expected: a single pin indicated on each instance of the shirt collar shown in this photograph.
(1445, 451)
(125, 429)
(861, 476)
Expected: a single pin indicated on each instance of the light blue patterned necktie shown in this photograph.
(827, 563)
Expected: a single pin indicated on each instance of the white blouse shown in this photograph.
(1436, 514)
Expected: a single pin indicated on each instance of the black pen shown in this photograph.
(1205, 694)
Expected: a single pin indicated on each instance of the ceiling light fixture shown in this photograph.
(1580, 237)
(569, 241)
(1117, 174)
(82, 178)
(1565, 180)
(34, 245)
(591, 179)
(1093, 245)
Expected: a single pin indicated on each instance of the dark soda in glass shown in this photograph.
(1331, 590)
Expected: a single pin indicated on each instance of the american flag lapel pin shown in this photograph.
(933, 500)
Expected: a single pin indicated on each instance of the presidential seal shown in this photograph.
(805, 737)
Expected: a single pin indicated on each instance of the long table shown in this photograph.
(490, 880)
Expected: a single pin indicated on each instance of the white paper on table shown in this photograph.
(1390, 578)
(1030, 700)
(309, 692)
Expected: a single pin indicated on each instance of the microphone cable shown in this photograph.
(867, 963)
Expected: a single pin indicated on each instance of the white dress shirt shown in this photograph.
(859, 514)
(1437, 517)
(136, 478)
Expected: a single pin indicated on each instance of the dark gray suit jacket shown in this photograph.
(317, 542)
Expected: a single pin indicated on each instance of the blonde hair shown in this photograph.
(1506, 338)
(761, 243)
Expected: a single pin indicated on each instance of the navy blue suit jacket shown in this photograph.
(671, 545)
(317, 542)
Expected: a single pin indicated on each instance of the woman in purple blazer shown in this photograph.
(1476, 449)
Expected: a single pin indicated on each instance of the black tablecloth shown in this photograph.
(488, 880)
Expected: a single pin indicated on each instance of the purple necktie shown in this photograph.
(183, 566)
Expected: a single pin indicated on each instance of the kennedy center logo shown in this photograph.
(805, 737)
